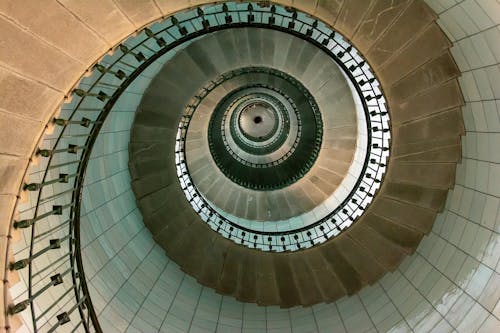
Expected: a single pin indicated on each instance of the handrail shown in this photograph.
(64, 155)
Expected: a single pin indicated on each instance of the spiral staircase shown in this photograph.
(127, 166)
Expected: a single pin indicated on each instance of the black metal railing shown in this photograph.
(51, 261)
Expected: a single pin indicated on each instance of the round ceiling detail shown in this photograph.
(258, 120)
(259, 136)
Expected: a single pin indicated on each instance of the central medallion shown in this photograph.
(258, 120)
(264, 137)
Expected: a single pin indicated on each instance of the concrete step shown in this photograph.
(384, 251)
(210, 271)
(423, 48)
(247, 277)
(361, 260)
(432, 74)
(431, 175)
(350, 279)
(429, 130)
(408, 24)
(406, 238)
(308, 291)
(430, 101)
(325, 279)
(445, 154)
(415, 194)
(398, 212)
(287, 287)
(228, 279)
(379, 17)
(153, 182)
(351, 16)
(266, 286)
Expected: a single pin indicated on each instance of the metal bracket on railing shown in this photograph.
(119, 73)
(139, 56)
(100, 95)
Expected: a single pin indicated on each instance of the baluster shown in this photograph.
(56, 210)
(63, 178)
(159, 40)
(100, 96)
(182, 30)
(138, 56)
(119, 73)
(72, 149)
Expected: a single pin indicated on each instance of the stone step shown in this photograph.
(433, 100)
(148, 133)
(384, 251)
(377, 20)
(308, 291)
(210, 271)
(423, 48)
(287, 287)
(433, 74)
(351, 15)
(360, 259)
(350, 279)
(150, 183)
(247, 277)
(201, 240)
(410, 23)
(267, 288)
(444, 154)
(431, 175)
(172, 229)
(228, 278)
(415, 194)
(428, 132)
(164, 197)
(401, 213)
(326, 281)
(181, 237)
(406, 238)
(166, 217)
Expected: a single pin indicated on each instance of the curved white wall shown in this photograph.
(451, 283)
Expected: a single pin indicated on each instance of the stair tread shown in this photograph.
(327, 282)
(431, 175)
(430, 101)
(425, 47)
(214, 261)
(431, 74)
(406, 238)
(379, 17)
(288, 290)
(308, 291)
(247, 277)
(415, 194)
(387, 253)
(351, 15)
(408, 215)
(228, 279)
(267, 289)
(414, 19)
(361, 260)
(347, 275)
(446, 154)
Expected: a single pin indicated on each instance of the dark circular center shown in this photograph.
(257, 120)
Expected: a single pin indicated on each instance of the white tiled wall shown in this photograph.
(451, 284)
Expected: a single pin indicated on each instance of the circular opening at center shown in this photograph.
(251, 120)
